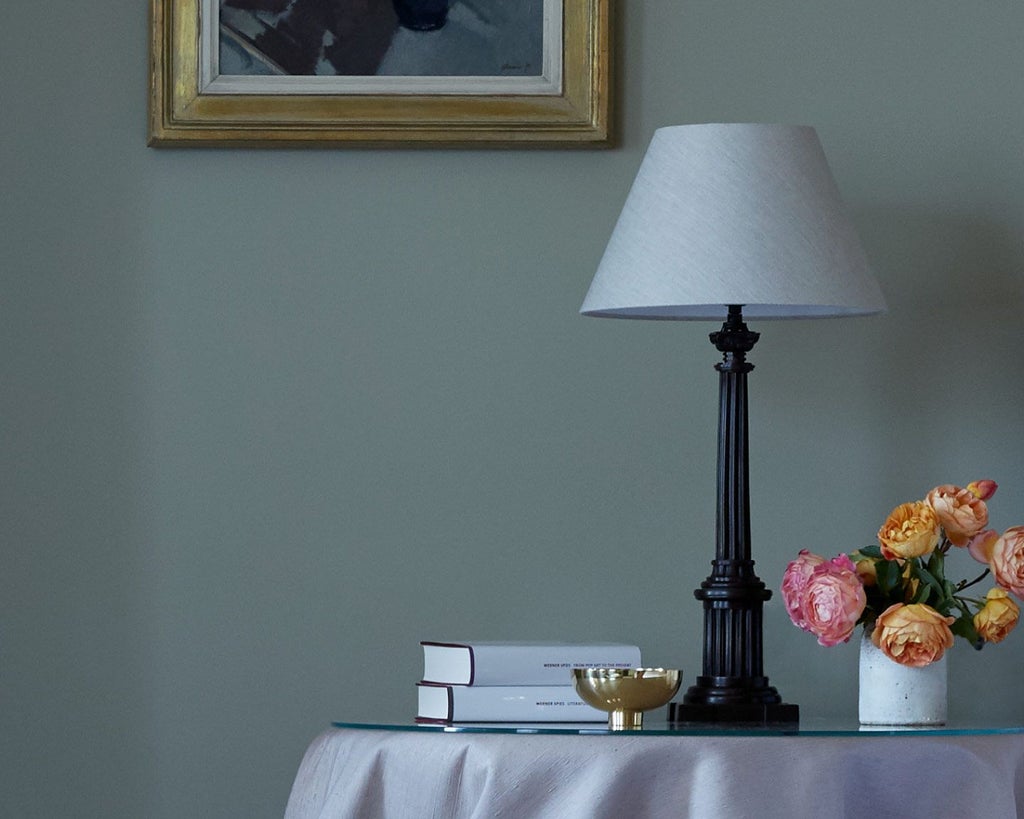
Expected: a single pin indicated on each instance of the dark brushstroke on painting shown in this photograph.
(352, 36)
(370, 37)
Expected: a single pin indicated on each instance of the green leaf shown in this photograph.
(871, 551)
(964, 627)
(888, 574)
(965, 611)
(932, 581)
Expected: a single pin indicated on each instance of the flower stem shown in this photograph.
(963, 584)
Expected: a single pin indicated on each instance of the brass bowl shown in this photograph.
(626, 692)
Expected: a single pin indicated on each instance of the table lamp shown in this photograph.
(726, 222)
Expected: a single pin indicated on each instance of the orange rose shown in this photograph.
(961, 512)
(997, 617)
(1007, 560)
(911, 530)
(867, 572)
(910, 582)
(914, 635)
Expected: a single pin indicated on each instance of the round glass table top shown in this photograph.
(819, 727)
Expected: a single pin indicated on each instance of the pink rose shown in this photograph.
(1007, 560)
(980, 546)
(794, 585)
(823, 597)
(834, 602)
(961, 512)
(983, 489)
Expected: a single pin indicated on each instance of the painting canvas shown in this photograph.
(294, 72)
(381, 37)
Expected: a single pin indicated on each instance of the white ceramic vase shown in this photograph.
(900, 695)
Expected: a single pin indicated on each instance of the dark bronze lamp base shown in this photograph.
(733, 690)
(768, 715)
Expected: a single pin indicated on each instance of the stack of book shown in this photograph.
(512, 682)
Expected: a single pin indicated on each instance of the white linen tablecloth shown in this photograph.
(368, 773)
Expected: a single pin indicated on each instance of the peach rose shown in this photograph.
(997, 617)
(1007, 560)
(911, 530)
(960, 512)
(914, 634)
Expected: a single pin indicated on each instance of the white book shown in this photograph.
(519, 663)
(504, 703)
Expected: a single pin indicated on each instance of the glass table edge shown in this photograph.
(656, 728)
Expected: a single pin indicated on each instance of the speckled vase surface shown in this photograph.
(900, 695)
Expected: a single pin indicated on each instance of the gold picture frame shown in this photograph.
(192, 105)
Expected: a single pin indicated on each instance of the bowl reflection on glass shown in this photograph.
(625, 693)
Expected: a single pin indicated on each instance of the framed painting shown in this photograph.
(379, 72)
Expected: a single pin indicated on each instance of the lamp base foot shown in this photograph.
(754, 714)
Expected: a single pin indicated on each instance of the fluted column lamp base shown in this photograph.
(732, 687)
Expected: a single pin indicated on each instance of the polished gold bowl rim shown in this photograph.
(626, 692)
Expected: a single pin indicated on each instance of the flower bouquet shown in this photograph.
(898, 589)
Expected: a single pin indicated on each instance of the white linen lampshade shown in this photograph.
(743, 214)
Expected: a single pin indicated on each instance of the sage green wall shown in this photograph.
(269, 418)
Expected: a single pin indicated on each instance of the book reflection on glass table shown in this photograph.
(491, 663)
(503, 703)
